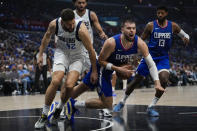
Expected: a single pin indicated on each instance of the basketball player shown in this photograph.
(117, 51)
(90, 19)
(71, 36)
(160, 32)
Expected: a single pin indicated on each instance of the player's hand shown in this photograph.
(185, 40)
(124, 72)
(40, 61)
(158, 86)
(103, 36)
(94, 77)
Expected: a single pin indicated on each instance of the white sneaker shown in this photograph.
(14, 92)
(105, 113)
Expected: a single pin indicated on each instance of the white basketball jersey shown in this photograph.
(86, 19)
(69, 42)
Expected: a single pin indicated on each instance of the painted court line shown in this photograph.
(103, 128)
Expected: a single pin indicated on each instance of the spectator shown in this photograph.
(24, 78)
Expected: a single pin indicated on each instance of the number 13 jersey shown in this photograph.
(160, 40)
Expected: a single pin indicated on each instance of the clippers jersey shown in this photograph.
(121, 55)
(69, 42)
(87, 21)
(160, 40)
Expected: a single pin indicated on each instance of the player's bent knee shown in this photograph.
(69, 85)
(56, 82)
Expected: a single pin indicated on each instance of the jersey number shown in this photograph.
(162, 43)
(70, 46)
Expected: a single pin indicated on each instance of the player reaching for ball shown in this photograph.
(117, 51)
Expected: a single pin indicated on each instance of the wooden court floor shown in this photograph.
(174, 96)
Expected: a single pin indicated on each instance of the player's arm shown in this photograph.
(107, 50)
(97, 25)
(46, 39)
(147, 31)
(143, 49)
(177, 30)
(85, 38)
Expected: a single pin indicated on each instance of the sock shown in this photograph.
(113, 88)
(80, 104)
(106, 110)
(45, 109)
(60, 105)
(125, 98)
(154, 102)
(124, 84)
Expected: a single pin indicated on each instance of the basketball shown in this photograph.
(123, 76)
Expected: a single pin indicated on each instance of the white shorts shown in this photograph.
(64, 62)
(87, 63)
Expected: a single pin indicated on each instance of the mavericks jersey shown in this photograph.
(87, 21)
(68, 42)
(160, 40)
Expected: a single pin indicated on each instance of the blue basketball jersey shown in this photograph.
(160, 40)
(121, 55)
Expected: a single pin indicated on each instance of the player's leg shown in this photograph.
(49, 96)
(66, 90)
(124, 84)
(57, 76)
(78, 90)
(163, 77)
(99, 103)
(163, 70)
(113, 80)
(130, 87)
(82, 87)
(141, 72)
(104, 91)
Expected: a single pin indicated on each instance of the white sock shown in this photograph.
(60, 105)
(80, 104)
(124, 84)
(45, 109)
(154, 102)
(107, 110)
(125, 98)
(113, 88)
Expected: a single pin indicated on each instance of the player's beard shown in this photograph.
(81, 9)
(128, 38)
(161, 20)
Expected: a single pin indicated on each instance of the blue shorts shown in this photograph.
(103, 84)
(162, 63)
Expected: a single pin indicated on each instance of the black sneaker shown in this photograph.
(41, 122)
(55, 116)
